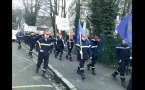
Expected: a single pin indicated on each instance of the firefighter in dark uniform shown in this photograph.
(52, 40)
(20, 37)
(59, 46)
(123, 55)
(28, 38)
(25, 35)
(37, 38)
(129, 86)
(32, 43)
(85, 52)
(94, 52)
(55, 42)
(70, 44)
(44, 46)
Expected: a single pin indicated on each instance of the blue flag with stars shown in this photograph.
(125, 29)
(80, 31)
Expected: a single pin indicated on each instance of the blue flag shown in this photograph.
(125, 29)
(80, 31)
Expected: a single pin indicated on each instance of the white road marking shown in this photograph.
(31, 86)
(21, 57)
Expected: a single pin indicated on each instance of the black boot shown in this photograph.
(83, 76)
(114, 77)
(55, 55)
(93, 72)
(66, 57)
(124, 84)
(88, 66)
(60, 57)
(78, 71)
(31, 56)
(44, 75)
(29, 53)
(70, 58)
(18, 47)
(37, 69)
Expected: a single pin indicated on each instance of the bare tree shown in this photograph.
(52, 7)
(31, 8)
(64, 9)
(127, 7)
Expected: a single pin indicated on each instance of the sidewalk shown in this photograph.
(102, 81)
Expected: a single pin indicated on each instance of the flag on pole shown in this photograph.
(125, 29)
(80, 32)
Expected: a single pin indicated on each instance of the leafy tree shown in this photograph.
(77, 16)
(102, 18)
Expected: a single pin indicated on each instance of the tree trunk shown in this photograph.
(77, 16)
(62, 9)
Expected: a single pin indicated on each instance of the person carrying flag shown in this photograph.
(123, 49)
(84, 48)
(94, 52)
(70, 44)
(44, 46)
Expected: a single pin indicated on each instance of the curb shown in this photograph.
(59, 75)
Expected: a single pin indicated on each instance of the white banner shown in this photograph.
(62, 23)
(30, 28)
(41, 32)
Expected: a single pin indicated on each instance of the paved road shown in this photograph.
(23, 72)
(102, 81)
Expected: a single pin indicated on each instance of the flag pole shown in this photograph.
(69, 39)
(55, 27)
(81, 46)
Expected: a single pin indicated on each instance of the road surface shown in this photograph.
(23, 72)
(102, 81)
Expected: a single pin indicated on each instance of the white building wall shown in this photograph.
(72, 13)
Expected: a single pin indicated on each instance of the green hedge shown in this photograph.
(107, 50)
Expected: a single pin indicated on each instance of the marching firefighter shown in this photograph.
(25, 35)
(70, 44)
(32, 43)
(44, 46)
(84, 48)
(52, 40)
(37, 38)
(19, 36)
(28, 38)
(129, 86)
(55, 43)
(94, 52)
(59, 46)
(123, 55)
